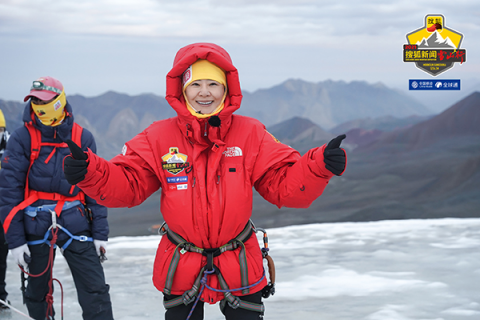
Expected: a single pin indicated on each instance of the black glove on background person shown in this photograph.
(75, 165)
(334, 157)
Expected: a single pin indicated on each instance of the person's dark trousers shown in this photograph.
(3, 264)
(181, 312)
(88, 276)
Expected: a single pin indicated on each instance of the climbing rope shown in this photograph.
(49, 297)
(14, 309)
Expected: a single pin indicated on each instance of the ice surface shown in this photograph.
(386, 270)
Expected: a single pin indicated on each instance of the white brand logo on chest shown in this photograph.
(233, 152)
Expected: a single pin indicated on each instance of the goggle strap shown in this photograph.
(44, 87)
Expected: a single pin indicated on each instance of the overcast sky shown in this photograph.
(128, 46)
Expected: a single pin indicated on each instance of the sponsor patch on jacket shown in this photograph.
(233, 152)
(178, 187)
(124, 149)
(177, 179)
(174, 161)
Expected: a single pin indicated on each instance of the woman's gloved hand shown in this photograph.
(75, 165)
(335, 157)
(21, 255)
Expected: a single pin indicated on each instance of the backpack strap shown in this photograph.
(35, 145)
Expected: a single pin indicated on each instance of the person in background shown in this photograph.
(4, 135)
(206, 161)
(40, 209)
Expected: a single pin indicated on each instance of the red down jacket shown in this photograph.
(208, 198)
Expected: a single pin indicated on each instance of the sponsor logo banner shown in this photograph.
(177, 179)
(444, 84)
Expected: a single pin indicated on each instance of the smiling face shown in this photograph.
(205, 95)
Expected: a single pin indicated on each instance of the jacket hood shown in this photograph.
(183, 59)
(63, 130)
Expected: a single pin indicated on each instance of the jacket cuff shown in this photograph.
(321, 171)
(91, 168)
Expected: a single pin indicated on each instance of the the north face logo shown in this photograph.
(233, 152)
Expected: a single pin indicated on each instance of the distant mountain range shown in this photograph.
(462, 120)
(115, 118)
(300, 134)
(385, 123)
(328, 103)
(428, 170)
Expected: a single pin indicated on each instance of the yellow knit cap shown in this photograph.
(203, 69)
(2, 120)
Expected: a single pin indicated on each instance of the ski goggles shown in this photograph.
(39, 85)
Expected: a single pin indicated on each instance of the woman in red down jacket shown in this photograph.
(206, 161)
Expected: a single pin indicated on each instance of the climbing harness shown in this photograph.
(32, 212)
(194, 294)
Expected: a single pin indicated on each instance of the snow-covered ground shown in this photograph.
(387, 270)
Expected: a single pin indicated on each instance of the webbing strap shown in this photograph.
(188, 296)
(183, 246)
(81, 238)
(36, 195)
(171, 270)
(32, 211)
(233, 301)
(72, 237)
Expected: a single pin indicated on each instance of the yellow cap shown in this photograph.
(203, 69)
(2, 120)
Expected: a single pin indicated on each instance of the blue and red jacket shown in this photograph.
(45, 176)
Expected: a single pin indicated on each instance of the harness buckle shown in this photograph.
(187, 299)
(187, 246)
(82, 238)
(235, 303)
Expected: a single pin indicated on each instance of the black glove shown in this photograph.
(334, 157)
(75, 165)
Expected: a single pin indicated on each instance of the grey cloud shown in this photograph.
(289, 21)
